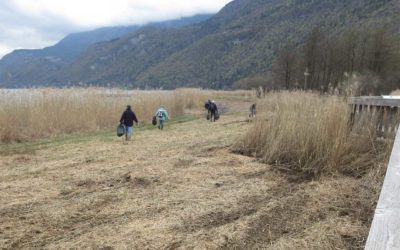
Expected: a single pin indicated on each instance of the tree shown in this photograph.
(285, 67)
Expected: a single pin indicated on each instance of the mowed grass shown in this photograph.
(182, 188)
(98, 191)
(30, 147)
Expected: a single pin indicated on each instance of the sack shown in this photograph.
(154, 121)
(120, 130)
(216, 117)
(208, 116)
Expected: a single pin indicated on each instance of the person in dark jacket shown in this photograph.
(253, 110)
(127, 118)
(212, 111)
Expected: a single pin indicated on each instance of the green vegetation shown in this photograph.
(105, 135)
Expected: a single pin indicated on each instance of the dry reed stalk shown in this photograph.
(38, 113)
(309, 132)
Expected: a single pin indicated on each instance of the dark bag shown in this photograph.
(216, 116)
(120, 130)
(208, 116)
(154, 121)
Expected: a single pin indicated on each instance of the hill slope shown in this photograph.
(33, 66)
(241, 40)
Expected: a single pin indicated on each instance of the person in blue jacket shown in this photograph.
(162, 115)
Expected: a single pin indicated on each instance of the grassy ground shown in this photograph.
(162, 189)
(181, 188)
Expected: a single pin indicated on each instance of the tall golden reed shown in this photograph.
(26, 114)
(310, 133)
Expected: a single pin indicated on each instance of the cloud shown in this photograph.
(40, 23)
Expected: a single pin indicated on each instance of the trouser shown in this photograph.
(252, 113)
(161, 126)
(212, 116)
(128, 132)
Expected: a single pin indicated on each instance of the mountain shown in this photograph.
(27, 67)
(241, 40)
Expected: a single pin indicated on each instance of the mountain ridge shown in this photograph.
(239, 41)
(53, 58)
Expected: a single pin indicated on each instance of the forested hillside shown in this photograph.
(241, 41)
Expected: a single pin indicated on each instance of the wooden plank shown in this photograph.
(385, 228)
(374, 101)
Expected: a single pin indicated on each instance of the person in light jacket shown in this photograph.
(162, 115)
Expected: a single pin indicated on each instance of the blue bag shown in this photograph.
(120, 130)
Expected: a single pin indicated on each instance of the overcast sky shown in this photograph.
(40, 23)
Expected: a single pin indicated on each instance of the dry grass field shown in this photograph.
(38, 113)
(183, 188)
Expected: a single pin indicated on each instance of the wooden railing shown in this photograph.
(385, 229)
(385, 110)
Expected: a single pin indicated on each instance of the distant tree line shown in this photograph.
(366, 61)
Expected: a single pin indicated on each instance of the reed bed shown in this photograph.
(36, 113)
(311, 133)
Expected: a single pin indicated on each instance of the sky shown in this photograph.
(32, 24)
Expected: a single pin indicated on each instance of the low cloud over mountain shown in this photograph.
(35, 24)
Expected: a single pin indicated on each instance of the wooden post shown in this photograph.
(385, 121)
(385, 229)
(352, 116)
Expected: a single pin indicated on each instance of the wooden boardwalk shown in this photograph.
(385, 110)
(381, 101)
(385, 228)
